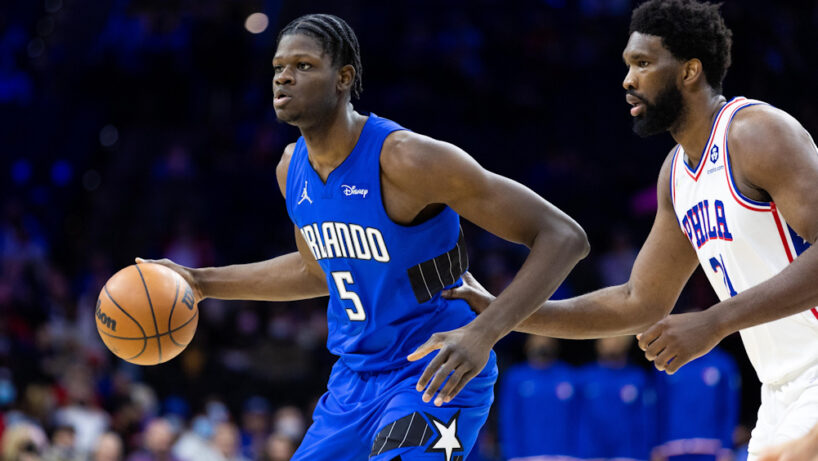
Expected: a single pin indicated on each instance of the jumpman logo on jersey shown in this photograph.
(304, 195)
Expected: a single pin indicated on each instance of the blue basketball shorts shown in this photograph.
(381, 417)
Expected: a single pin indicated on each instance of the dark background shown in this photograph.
(146, 128)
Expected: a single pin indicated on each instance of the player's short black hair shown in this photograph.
(336, 38)
(689, 29)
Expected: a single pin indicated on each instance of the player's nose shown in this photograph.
(629, 83)
(284, 77)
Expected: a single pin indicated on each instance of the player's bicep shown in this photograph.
(511, 210)
(663, 265)
(498, 204)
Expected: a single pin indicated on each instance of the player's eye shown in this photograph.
(304, 66)
(278, 69)
(643, 63)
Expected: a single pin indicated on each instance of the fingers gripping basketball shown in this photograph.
(146, 314)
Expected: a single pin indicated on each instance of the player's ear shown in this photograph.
(346, 75)
(692, 71)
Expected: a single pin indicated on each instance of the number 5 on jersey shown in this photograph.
(342, 278)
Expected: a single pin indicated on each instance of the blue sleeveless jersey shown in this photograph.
(384, 278)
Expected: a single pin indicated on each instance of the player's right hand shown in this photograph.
(185, 272)
(472, 292)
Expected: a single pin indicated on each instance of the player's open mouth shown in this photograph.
(281, 100)
(637, 107)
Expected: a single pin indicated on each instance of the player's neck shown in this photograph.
(693, 130)
(331, 140)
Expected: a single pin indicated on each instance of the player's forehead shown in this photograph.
(644, 45)
(298, 45)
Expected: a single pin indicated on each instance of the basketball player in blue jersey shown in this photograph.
(738, 195)
(375, 209)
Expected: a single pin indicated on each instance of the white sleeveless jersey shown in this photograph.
(741, 243)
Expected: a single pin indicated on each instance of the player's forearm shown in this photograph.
(552, 257)
(791, 291)
(284, 278)
(610, 311)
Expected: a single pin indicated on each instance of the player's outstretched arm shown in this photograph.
(288, 277)
(425, 171)
(771, 154)
(662, 268)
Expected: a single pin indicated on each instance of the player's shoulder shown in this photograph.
(758, 127)
(404, 149)
(763, 139)
(283, 166)
(407, 156)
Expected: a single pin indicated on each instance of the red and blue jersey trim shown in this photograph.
(695, 173)
(792, 247)
(728, 172)
(673, 175)
(793, 244)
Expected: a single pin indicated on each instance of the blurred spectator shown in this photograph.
(63, 441)
(23, 441)
(157, 441)
(537, 404)
(699, 411)
(108, 448)
(289, 421)
(226, 442)
(617, 406)
(81, 410)
(194, 443)
(255, 426)
(278, 447)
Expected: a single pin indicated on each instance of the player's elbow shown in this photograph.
(571, 238)
(576, 240)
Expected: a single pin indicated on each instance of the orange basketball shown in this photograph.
(146, 314)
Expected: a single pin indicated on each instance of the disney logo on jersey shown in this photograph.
(352, 191)
(714, 153)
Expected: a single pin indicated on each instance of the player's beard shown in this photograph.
(660, 115)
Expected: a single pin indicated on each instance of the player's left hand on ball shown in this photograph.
(463, 354)
(678, 339)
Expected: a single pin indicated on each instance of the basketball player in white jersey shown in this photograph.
(738, 194)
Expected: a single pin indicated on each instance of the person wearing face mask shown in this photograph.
(537, 404)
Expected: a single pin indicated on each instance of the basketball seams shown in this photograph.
(144, 335)
(153, 313)
(170, 316)
(180, 327)
(124, 342)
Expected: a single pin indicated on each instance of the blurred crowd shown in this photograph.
(145, 128)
